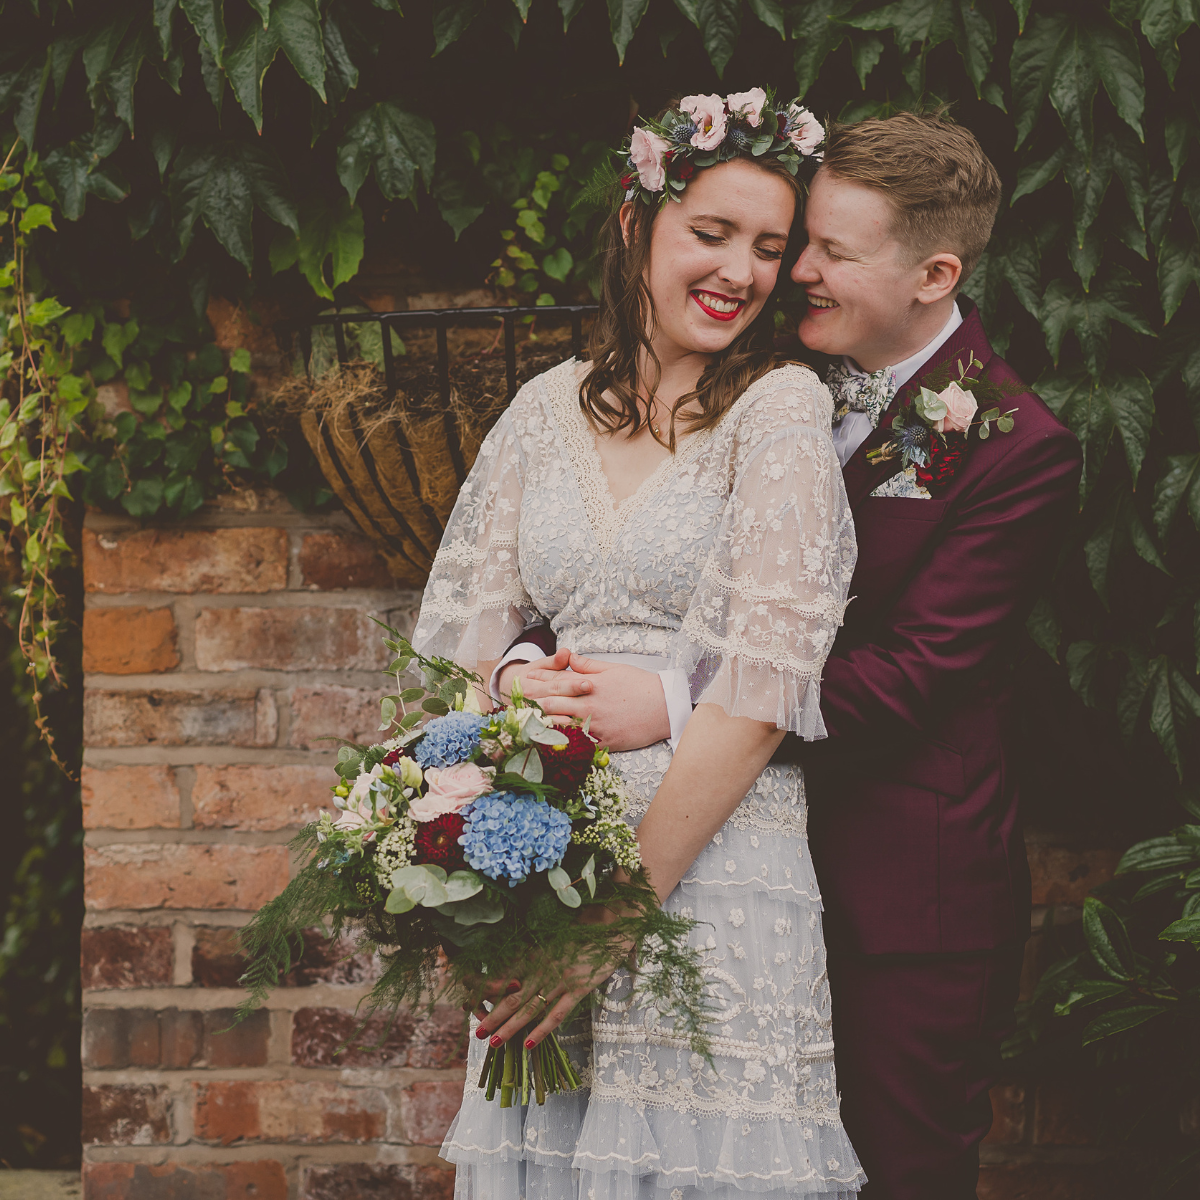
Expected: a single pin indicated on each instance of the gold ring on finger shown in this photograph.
(542, 998)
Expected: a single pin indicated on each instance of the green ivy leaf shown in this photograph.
(1178, 269)
(44, 312)
(1185, 930)
(221, 183)
(1174, 705)
(392, 143)
(719, 22)
(771, 14)
(1033, 175)
(1083, 665)
(1119, 527)
(1034, 60)
(164, 12)
(1108, 940)
(624, 16)
(1094, 408)
(326, 233)
(1155, 854)
(1162, 21)
(145, 498)
(208, 20)
(558, 265)
(1179, 481)
(246, 64)
(1088, 315)
(297, 25)
(818, 29)
(1044, 628)
(450, 21)
(36, 216)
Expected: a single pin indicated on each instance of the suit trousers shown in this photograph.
(917, 1043)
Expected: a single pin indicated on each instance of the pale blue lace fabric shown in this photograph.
(733, 561)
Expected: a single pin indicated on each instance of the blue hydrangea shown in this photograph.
(509, 835)
(450, 739)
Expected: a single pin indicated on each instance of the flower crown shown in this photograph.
(662, 156)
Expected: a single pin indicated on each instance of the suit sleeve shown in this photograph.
(960, 605)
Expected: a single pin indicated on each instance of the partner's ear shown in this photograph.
(626, 216)
(939, 276)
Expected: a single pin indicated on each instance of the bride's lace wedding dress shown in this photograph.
(732, 561)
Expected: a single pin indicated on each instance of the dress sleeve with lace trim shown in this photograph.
(475, 603)
(774, 590)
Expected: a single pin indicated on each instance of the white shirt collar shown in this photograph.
(910, 366)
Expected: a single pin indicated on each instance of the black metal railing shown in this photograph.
(441, 320)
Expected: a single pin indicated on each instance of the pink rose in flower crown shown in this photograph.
(806, 132)
(449, 789)
(748, 104)
(708, 115)
(646, 149)
(961, 407)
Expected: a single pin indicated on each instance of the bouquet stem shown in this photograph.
(513, 1070)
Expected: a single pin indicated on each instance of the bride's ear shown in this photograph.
(626, 218)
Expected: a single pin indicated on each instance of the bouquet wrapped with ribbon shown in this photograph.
(463, 850)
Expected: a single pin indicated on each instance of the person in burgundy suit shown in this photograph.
(913, 801)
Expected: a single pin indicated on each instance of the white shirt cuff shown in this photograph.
(521, 652)
(679, 701)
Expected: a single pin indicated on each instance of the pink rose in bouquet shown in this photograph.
(449, 789)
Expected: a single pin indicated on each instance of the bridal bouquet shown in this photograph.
(461, 850)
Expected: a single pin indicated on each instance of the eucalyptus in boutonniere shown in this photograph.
(931, 430)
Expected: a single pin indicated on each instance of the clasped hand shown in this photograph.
(626, 704)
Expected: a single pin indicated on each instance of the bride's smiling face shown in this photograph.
(714, 257)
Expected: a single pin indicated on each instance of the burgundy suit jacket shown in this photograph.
(912, 798)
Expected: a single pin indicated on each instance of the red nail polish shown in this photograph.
(530, 1043)
(481, 1033)
(496, 1041)
(513, 987)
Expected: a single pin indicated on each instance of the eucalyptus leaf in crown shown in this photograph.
(663, 155)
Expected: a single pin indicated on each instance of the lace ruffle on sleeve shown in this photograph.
(475, 604)
(774, 589)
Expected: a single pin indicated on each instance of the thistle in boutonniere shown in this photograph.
(930, 432)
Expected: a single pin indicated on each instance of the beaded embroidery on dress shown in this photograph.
(733, 560)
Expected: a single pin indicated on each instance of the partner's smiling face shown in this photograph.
(862, 287)
(714, 257)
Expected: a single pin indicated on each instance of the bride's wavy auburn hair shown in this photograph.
(620, 334)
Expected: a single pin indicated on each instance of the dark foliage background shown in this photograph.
(258, 149)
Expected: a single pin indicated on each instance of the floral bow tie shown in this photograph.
(861, 393)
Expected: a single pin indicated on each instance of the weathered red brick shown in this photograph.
(1008, 1116)
(126, 1115)
(260, 798)
(181, 1037)
(173, 1038)
(129, 641)
(125, 956)
(331, 711)
(1062, 1110)
(287, 639)
(261, 1180)
(426, 1110)
(286, 1110)
(331, 561)
(129, 798)
(376, 1181)
(120, 1037)
(242, 1045)
(413, 1040)
(231, 717)
(145, 875)
(1066, 874)
(220, 561)
(217, 961)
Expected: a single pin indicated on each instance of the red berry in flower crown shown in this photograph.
(436, 842)
(566, 767)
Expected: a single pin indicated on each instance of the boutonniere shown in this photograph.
(931, 431)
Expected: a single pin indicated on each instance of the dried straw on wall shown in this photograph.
(397, 465)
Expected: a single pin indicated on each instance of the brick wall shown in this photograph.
(217, 653)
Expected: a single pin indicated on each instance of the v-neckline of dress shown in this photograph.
(606, 516)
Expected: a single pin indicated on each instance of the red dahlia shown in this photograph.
(566, 767)
(945, 454)
(436, 841)
(394, 756)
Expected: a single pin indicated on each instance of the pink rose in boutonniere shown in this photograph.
(748, 105)
(646, 152)
(708, 115)
(961, 408)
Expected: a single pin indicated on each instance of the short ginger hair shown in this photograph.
(941, 186)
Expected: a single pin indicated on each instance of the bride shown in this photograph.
(675, 501)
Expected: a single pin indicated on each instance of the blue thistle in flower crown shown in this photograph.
(448, 740)
(682, 132)
(508, 835)
(738, 141)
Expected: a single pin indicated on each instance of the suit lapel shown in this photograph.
(863, 477)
